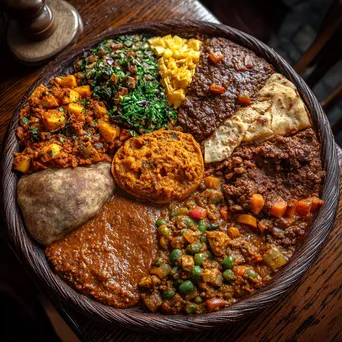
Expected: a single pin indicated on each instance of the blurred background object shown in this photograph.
(37, 30)
(307, 33)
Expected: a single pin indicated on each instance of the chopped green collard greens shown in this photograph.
(123, 73)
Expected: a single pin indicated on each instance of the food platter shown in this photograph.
(33, 255)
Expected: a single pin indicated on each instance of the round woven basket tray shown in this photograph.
(32, 255)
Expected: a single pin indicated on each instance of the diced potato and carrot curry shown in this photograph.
(65, 126)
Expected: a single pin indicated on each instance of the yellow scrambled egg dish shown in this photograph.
(177, 61)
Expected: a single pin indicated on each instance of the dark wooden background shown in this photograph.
(312, 311)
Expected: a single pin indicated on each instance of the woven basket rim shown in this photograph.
(33, 257)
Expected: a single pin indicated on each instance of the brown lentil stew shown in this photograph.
(227, 77)
(228, 240)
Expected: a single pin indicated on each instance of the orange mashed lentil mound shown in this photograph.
(159, 167)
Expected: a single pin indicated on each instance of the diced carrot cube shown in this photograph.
(216, 89)
(216, 57)
(244, 99)
(233, 232)
(316, 203)
(257, 203)
(303, 207)
(198, 213)
(212, 182)
(214, 303)
(278, 209)
(261, 226)
(248, 220)
(224, 212)
(239, 270)
(291, 208)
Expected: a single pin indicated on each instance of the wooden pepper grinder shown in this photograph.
(40, 29)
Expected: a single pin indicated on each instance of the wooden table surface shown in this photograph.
(312, 311)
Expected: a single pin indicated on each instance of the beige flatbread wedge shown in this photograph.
(54, 202)
(277, 111)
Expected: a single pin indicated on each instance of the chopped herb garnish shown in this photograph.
(61, 109)
(34, 133)
(25, 121)
(126, 78)
(83, 102)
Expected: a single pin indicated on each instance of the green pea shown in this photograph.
(198, 300)
(202, 226)
(160, 222)
(199, 259)
(191, 308)
(213, 226)
(163, 230)
(196, 272)
(228, 275)
(203, 238)
(228, 262)
(189, 221)
(168, 294)
(186, 287)
(175, 255)
(193, 248)
(251, 273)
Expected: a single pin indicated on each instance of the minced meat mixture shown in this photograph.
(288, 167)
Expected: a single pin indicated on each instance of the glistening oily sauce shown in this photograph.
(108, 256)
